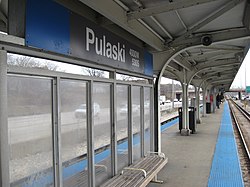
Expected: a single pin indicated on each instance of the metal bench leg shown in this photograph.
(155, 180)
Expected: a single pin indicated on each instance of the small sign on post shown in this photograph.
(248, 89)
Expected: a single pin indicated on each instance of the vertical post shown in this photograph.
(198, 105)
(130, 123)
(113, 116)
(204, 90)
(157, 123)
(185, 124)
(184, 106)
(56, 121)
(211, 100)
(214, 99)
(239, 95)
(90, 135)
(4, 147)
(195, 102)
(152, 118)
(173, 94)
(142, 120)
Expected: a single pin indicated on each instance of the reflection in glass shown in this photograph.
(74, 132)
(136, 122)
(122, 126)
(39, 63)
(30, 131)
(102, 125)
(131, 78)
(147, 120)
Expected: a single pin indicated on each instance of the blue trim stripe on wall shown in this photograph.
(225, 170)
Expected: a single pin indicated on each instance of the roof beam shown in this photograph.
(161, 27)
(226, 86)
(174, 66)
(215, 14)
(215, 74)
(221, 81)
(246, 18)
(3, 17)
(151, 29)
(217, 63)
(183, 62)
(208, 56)
(226, 35)
(181, 20)
(224, 47)
(164, 7)
(118, 16)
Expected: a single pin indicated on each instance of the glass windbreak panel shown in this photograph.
(73, 132)
(122, 126)
(102, 124)
(30, 131)
(147, 119)
(136, 122)
(39, 63)
(129, 78)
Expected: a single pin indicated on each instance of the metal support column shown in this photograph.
(239, 95)
(142, 120)
(173, 94)
(213, 104)
(113, 119)
(130, 123)
(56, 120)
(152, 139)
(185, 124)
(157, 123)
(198, 120)
(4, 147)
(195, 98)
(113, 133)
(195, 101)
(204, 91)
(90, 135)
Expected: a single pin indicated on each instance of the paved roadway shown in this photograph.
(31, 147)
(27, 128)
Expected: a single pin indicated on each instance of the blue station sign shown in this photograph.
(65, 32)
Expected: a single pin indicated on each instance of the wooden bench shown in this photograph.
(139, 173)
(81, 178)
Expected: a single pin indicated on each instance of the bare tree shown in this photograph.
(126, 78)
(95, 72)
(30, 62)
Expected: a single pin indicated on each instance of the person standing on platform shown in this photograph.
(218, 100)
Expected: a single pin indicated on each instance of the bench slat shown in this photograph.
(151, 164)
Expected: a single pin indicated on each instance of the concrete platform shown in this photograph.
(190, 157)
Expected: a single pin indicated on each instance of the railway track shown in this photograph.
(241, 119)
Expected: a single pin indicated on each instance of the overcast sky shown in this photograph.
(242, 78)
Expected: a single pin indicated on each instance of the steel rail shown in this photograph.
(246, 115)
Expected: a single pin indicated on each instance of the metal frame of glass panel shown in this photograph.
(56, 76)
(56, 128)
(4, 146)
(142, 111)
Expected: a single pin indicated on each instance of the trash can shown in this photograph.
(180, 118)
(192, 120)
(208, 108)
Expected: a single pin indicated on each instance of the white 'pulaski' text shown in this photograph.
(104, 48)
